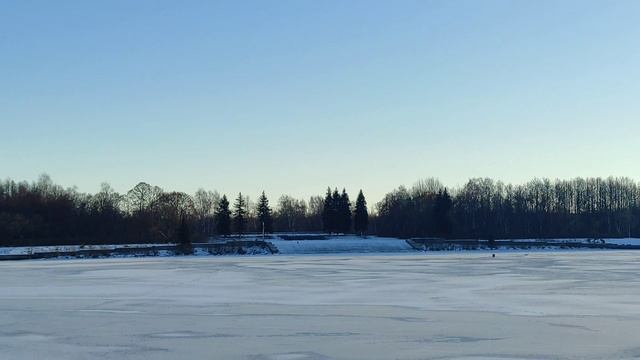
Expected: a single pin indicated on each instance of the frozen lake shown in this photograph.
(545, 305)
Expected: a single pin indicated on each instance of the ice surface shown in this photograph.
(546, 305)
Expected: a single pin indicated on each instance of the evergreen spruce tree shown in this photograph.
(334, 211)
(344, 213)
(223, 217)
(361, 215)
(265, 217)
(184, 237)
(327, 223)
(240, 215)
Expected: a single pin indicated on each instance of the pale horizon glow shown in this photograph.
(290, 97)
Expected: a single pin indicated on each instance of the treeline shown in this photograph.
(541, 208)
(42, 212)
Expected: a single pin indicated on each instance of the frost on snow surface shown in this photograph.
(464, 305)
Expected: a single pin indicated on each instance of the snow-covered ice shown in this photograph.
(545, 305)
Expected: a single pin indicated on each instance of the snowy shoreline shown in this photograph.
(288, 245)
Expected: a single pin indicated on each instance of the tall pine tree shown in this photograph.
(223, 217)
(327, 216)
(344, 213)
(265, 217)
(240, 215)
(335, 211)
(361, 215)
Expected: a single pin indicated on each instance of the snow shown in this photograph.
(452, 305)
(25, 250)
(342, 244)
(618, 241)
(625, 241)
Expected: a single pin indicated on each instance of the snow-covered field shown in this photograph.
(551, 305)
(348, 244)
(342, 244)
(23, 250)
(625, 241)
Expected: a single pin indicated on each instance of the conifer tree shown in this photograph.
(327, 216)
(344, 213)
(223, 217)
(335, 211)
(265, 217)
(240, 215)
(361, 215)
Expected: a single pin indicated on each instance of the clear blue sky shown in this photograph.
(293, 96)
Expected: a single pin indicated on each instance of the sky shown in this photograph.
(290, 97)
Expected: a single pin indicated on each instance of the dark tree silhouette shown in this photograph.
(541, 208)
(184, 236)
(291, 214)
(265, 218)
(141, 197)
(328, 210)
(240, 215)
(336, 212)
(360, 215)
(223, 217)
(43, 213)
(204, 207)
(442, 213)
(344, 213)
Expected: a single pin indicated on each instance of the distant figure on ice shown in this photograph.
(493, 255)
